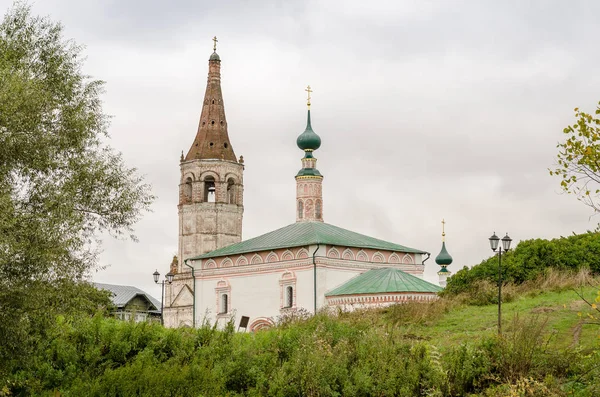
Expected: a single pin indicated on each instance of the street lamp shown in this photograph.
(169, 277)
(494, 240)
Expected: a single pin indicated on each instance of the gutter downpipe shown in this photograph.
(315, 276)
(194, 294)
(425, 260)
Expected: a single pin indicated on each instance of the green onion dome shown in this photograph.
(308, 140)
(214, 57)
(443, 257)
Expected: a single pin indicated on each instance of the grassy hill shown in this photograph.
(555, 311)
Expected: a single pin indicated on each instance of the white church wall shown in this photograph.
(257, 289)
(254, 295)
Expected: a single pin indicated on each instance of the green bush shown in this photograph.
(531, 259)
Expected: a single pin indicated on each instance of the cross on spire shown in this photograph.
(308, 90)
(443, 230)
(215, 43)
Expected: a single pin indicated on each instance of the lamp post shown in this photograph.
(494, 240)
(169, 278)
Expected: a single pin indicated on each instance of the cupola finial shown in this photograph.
(215, 41)
(443, 230)
(308, 90)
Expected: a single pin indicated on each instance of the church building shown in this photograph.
(308, 264)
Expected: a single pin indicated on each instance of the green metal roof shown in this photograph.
(309, 172)
(306, 233)
(378, 281)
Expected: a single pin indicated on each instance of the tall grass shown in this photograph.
(484, 292)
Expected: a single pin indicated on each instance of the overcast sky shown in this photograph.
(426, 110)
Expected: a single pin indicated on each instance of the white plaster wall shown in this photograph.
(255, 295)
(260, 295)
(256, 291)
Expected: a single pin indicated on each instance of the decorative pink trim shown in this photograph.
(223, 287)
(377, 257)
(302, 253)
(375, 299)
(287, 256)
(288, 279)
(348, 254)
(333, 253)
(261, 323)
(362, 256)
(210, 264)
(226, 262)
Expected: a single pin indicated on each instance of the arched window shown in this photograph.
(318, 209)
(224, 304)
(300, 209)
(289, 296)
(209, 189)
(231, 191)
(187, 189)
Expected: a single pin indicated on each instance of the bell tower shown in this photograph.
(210, 196)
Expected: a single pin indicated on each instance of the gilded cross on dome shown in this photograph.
(215, 41)
(443, 230)
(308, 90)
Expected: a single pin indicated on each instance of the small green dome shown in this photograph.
(308, 140)
(214, 57)
(443, 257)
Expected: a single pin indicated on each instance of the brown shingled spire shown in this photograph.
(212, 140)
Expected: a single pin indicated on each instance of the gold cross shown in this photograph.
(215, 43)
(308, 90)
(443, 229)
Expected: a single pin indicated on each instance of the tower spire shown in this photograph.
(309, 200)
(443, 259)
(212, 139)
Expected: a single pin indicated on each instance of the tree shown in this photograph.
(61, 185)
(579, 159)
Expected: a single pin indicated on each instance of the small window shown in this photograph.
(211, 144)
(222, 122)
(318, 209)
(300, 209)
(225, 145)
(212, 122)
(289, 296)
(224, 304)
(213, 102)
